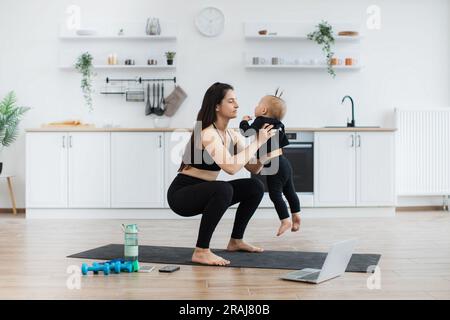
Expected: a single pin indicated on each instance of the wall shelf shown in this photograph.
(98, 37)
(121, 67)
(285, 37)
(288, 41)
(133, 44)
(250, 66)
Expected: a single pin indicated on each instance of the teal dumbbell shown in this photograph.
(119, 266)
(95, 268)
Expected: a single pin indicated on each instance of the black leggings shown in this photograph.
(281, 183)
(189, 196)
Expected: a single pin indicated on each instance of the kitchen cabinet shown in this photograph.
(68, 170)
(334, 169)
(354, 169)
(137, 159)
(46, 170)
(89, 169)
(375, 173)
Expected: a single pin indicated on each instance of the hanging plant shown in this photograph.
(84, 66)
(323, 36)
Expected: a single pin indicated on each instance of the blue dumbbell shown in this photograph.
(95, 268)
(118, 265)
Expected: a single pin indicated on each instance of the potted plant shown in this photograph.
(170, 55)
(85, 67)
(10, 115)
(323, 35)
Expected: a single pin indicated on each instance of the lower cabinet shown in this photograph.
(137, 169)
(89, 168)
(354, 169)
(46, 170)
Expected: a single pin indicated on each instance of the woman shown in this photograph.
(213, 148)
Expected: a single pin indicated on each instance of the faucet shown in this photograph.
(352, 123)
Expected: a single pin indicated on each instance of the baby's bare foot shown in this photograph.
(296, 221)
(240, 245)
(205, 256)
(285, 224)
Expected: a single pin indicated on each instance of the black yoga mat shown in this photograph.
(292, 260)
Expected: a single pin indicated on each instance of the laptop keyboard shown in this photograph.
(311, 276)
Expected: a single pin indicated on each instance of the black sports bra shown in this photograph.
(208, 162)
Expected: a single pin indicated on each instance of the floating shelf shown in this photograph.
(268, 66)
(98, 37)
(121, 67)
(276, 37)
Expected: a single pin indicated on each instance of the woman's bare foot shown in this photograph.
(205, 256)
(295, 222)
(240, 245)
(285, 224)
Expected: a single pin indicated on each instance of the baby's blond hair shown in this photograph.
(276, 107)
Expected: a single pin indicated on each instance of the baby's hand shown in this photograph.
(246, 118)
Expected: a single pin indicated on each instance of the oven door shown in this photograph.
(301, 157)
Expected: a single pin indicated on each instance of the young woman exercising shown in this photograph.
(212, 148)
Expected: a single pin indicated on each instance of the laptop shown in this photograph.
(335, 264)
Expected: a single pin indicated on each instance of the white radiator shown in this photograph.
(423, 151)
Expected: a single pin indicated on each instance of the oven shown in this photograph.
(300, 153)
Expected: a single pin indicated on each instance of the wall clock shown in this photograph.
(210, 21)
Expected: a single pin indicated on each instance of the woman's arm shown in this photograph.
(254, 165)
(233, 163)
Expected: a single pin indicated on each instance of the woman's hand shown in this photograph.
(246, 118)
(265, 133)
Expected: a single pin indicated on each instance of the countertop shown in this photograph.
(120, 129)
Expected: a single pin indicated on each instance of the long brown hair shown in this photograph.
(205, 117)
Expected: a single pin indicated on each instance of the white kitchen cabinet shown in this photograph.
(375, 169)
(334, 169)
(46, 170)
(137, 175)
(89, 169)
(354, 169)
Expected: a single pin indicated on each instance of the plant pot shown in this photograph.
(169, 62)
(1, 167)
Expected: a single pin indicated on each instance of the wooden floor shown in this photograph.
(415, 263)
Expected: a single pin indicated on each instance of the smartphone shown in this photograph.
(169, 269)
(146, 268)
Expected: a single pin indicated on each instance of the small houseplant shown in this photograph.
(10, 116)
(85, 67)
(323, 35)
(170, 55)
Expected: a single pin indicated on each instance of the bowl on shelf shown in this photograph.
(348, 33)
(86, 32)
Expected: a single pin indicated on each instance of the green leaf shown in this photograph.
(10, 115)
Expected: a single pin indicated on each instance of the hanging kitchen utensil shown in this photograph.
(135, 95)
(152, 108)
(159, 110)
(148, 106)
(163, 100)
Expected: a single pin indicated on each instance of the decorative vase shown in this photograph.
(153, 27)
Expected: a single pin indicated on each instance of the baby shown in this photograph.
(271, 110)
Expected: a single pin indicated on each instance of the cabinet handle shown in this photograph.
(64, 142)
(159, 138)
(358, 137)
(353, 140)
(70, 141)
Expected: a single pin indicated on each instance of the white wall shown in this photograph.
(407, 63)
